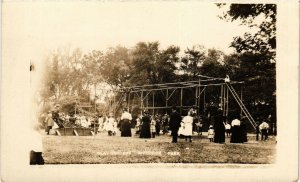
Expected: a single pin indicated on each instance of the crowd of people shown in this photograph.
(150, 126)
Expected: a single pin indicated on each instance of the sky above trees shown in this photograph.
(102, 25)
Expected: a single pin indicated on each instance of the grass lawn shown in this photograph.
(103, 149)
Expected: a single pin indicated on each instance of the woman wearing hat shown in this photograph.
(145, 129)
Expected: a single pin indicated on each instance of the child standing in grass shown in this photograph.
(211, 133)
(227, 128)
(152, 126)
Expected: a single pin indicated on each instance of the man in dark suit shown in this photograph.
(174, 125)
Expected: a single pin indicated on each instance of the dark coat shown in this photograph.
(219, 129)
(145, 129)
(175, 120)
(243, 132)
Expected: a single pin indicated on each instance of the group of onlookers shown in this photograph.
(149, 126)
(153, 123)
(236, 131)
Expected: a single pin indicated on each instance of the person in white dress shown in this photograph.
(152, 127)
(188, 127)
(211, 133)
(227, 129)
(82, 121)
(110, 124)
(115, 129)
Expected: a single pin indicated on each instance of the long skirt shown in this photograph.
(244, 133)
(145, 130)
(219, 136)
(125, 128)
(236, 135)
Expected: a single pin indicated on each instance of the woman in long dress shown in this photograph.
(236, 136)
(243, 131)
(219, 128)
(126, 123)
(145, 129)
(188, 127)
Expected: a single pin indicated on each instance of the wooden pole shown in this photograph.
(147, 101)
(128, 103)
(199, 94)
(181, 97)
(221, 99)
(196, 95)
(204, 102)
(153, 102)
(241, 99)
(167, 97)
(142, 102)
(227, 100)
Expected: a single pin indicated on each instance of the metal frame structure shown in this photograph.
(142, 94)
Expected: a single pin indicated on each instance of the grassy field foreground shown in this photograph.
(103, 149)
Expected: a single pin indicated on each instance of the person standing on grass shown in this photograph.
(125, 123)
(211, 133)
(152, 127)
(174, 124)
(145, 128)
(243, 131)
(219, 128)
(227, 129)
(188, 127)
(110, 124)
(165, 123)
(264, 126)
(257, 130)
(235, 131)
(49, 122)
(157, 124)
(199, 125)
(138, 125)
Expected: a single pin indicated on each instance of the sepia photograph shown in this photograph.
(159, 84)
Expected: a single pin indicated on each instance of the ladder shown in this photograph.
(242, 106)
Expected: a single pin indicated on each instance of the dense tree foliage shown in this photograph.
(259, 16)
(256, 58)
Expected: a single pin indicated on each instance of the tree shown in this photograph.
(152, 65)
(255, 62)
(165, 64)
(116, 67)
(264, 40)
(69, 76)
(213, 63)
(191, 62)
